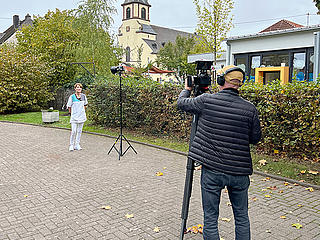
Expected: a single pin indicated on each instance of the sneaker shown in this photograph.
(77, 147)
(71, 148)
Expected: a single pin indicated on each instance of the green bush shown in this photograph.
(290, 117)
(147, 106)
(23, 82)
(289, 114)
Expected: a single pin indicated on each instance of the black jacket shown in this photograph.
(227, 125)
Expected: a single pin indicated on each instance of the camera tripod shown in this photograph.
(121, 137)
(188, 181)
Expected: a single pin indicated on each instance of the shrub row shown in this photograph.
(290, 117)
(147, 106)
(289, 114)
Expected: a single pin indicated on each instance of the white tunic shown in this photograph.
(78, 112)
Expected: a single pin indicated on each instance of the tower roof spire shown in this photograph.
(145, 2)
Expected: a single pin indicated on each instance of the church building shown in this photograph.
(140, 39)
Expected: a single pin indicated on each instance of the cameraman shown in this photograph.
(227, 125)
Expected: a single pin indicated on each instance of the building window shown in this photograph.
(143, 13)
(128, 54)
(310, 70)
(275, 59)
(241, 62)
(128, 13)
(255, 63)
(299, 64)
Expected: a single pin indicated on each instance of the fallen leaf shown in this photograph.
(266, 179)
(297, 225)
(195, 229)
(254, 199)
(263, 162)
(159, 174)
(283, 217)
(156, 229)
(272, 188)
(290, 187)
(295, 184)
(286, 183)
(276, 151)
(303, 171)
(129, 215)
(313, 172)
(280, 191)
(310, 189)
(226, 219)
(263, 190)
(299, 205)
(267, 196)
(164, 168)
(25, 196)
(106, 207)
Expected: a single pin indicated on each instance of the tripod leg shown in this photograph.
(113, 146)
(130, 146)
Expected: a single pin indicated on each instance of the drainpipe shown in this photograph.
(316, 66)
(228, 55)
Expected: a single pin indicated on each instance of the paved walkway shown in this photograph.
(47, 192)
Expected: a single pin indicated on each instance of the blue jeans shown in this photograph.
(212, 182)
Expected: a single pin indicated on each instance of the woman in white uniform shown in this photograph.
(77, 104)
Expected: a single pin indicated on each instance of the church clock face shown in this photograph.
(128, 28)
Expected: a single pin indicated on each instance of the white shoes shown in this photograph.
(71, 148)
(77, 147)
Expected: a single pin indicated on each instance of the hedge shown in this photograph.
(289, 114)
(290, 117)
(147, 106)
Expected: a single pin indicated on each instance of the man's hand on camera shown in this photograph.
(186, 85)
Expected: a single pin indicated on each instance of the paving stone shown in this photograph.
(66, 191)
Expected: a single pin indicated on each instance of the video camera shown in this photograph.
(116, 69)
(202, 81)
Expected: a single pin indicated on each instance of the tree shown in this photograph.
(93, 21)
(317, 3)
(24, 82)
(52, 39)
(173, 56)
(214, 22)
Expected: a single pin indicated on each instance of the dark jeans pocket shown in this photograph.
(212, 179)
(240, 182)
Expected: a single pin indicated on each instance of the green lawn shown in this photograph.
(274, 165)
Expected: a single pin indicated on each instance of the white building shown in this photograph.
(284, 44)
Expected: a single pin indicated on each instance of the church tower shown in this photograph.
(132, 32)
(140, 39)
(136, 9)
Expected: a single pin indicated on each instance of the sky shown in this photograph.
(250, 16)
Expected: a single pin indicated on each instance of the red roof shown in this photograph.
(151, 70)
(282, 25)
(157, 70)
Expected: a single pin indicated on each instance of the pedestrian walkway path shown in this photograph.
(47, 192)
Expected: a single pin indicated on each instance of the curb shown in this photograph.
(317, 187)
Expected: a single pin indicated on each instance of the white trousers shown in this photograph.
(76, 130)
